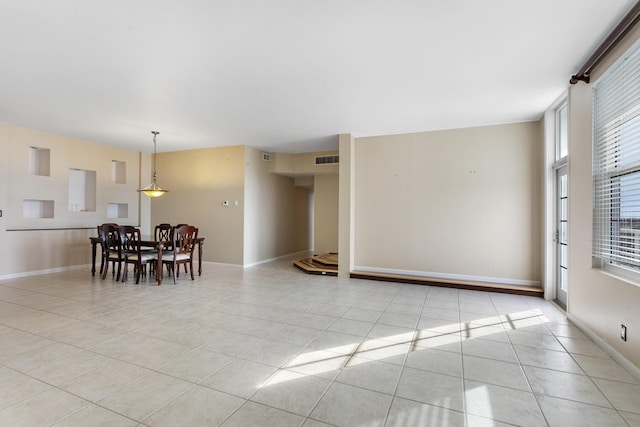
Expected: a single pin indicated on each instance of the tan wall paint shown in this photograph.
(346, 205)
(325, 228)
(5, 249)
(460, 202)
(67, 153)
(303, 224)
(31, 250)
(146, 173)
(198, 182)
(599, 302)
(276, 213)
(301, 164)
(323, 179)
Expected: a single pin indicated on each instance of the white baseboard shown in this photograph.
(447, 276)
(291, 255)
(47, 271)
(615, 354)
(88, 266)
(224, 264)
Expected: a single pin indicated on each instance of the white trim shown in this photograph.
(549, 207)
(559, 101)
(47, 271)
(615, 354)
(88, 266)
(226, 264)
(448, 276)
(560, 163)
(264, 261)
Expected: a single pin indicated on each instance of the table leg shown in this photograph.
(159, 271)
(199, 258)
(93, 258)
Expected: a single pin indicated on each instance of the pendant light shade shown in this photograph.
(153, 190)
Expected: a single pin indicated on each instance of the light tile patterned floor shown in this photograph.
(271, 346)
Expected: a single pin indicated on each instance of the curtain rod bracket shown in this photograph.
(579, 78)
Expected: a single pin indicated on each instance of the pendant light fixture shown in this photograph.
(152, 190)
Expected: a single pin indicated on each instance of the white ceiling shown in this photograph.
(286, 75)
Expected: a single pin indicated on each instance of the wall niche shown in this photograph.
(119, 171)
(118, 210)
(39, 161)
(82, 190)
(32, 209)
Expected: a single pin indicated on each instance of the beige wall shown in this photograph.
(346, 205)
(325, 224)
(276, 213)
(303, 208)
(27, 243)
(463, 203)
(597, 301)
(325, 183)
(5, 249)
(198, 182)
(66, 154)
(294, 164)
(267, 216)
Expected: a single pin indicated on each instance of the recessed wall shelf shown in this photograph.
(39, 161)
(65, 183)
(32, 209)
(82, 190)
(118, 210)
(119, 171)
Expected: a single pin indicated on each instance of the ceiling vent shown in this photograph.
(266, 157)
(327, 160)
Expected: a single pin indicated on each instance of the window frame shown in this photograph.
(616, 156)
(560, 134)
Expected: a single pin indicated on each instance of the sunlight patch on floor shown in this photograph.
(379, 349)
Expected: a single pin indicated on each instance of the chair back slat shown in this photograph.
(164, 233)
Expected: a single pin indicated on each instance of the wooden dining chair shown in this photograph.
(111, 249)
(133, 254)
(185, 265)
(102, 260)
(184, 239)
(162, 233)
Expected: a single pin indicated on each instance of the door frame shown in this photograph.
(560, 294)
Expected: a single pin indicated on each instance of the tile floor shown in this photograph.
(271, 346)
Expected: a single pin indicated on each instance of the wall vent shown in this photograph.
(266, 157)
(327, 160)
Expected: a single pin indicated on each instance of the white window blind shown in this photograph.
(616, 163)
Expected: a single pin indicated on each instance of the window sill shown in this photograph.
(620, 274)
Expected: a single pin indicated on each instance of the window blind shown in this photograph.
(616, 162)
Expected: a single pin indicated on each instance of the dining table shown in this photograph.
(147, 242)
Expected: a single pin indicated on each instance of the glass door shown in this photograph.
(561, 238)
